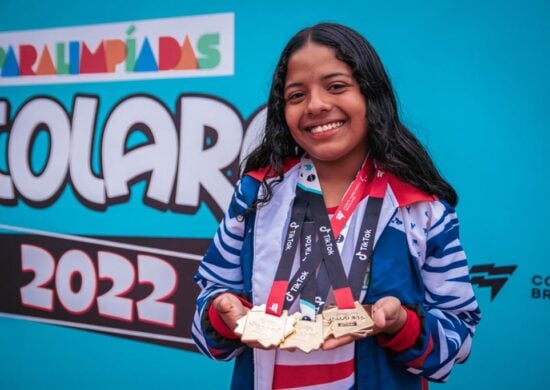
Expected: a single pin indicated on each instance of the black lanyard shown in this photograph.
(318, 244)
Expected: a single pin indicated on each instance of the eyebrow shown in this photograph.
(325, 77)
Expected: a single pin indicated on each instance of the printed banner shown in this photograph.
(195, 46)
(121, 143)
(137, 288)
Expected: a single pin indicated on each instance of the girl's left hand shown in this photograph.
(388, 316)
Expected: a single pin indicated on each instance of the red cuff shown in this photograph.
(219, 326)
(419, 361)
(406, 337)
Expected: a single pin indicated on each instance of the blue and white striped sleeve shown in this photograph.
(220, 271)
(450, 312)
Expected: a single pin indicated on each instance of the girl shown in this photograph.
(333, 133)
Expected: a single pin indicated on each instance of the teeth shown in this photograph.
(328, 126)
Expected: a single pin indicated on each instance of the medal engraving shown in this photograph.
(308, 335)
(266, 329)
(327, 315)
(347, 321)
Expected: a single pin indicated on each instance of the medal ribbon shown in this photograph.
(359, 272)
(344, 290)
(308, 300)
(326, 246)
(327, 243)
(276, 296)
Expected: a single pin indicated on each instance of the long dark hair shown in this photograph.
(390, 143)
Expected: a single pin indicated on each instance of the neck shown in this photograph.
(335, 178)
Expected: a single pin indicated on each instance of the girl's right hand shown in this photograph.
(230, 310)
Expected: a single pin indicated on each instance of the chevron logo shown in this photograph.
(489, 275)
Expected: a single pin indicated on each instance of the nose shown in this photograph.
(317, 103)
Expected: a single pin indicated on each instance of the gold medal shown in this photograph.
(308, 335)
(327, 315)
(340, 322)
(266, 329)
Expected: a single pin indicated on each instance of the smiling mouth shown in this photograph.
(325, 127)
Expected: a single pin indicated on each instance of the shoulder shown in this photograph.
(420, 209)
(266, 173)
(406, 194)
(246, 191)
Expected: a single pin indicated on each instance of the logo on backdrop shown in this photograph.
(491, 276)
(541, 287)
(192, 46)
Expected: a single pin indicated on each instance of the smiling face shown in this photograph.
(324, 108)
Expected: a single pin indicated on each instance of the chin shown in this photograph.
(325, 157)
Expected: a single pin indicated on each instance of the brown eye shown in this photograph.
(337, 87)
(295, 97)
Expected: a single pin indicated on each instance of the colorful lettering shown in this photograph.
(27, 58)
(62, 65)
(212, 55)
(188, 60)
(45, 64)
(115, 53)
(169, 53)
(93, 62)
(10, 68)
(2, 56)
(111, 55)
(74, 56)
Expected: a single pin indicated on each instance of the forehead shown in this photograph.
(314, 60)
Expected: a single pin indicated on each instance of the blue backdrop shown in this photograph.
(472, 82)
